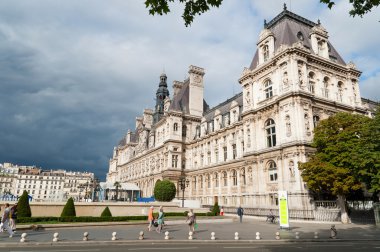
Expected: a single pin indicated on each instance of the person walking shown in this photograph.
(240, 212)
(221, 211)
(13, 218)
(192, 220)
(150, 217)
(160, 220)
(5, 220)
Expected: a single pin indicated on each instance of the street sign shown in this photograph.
(283, 209)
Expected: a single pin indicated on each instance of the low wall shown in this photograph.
(96, 208)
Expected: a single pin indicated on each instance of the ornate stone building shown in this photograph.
(246, 149)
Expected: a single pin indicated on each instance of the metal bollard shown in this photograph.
(114, 236)
(23, 237)
(167, 235)
(85, 236)
(297, 235)
(190, 235)
(258, 236)
(236, 236)
(141, 235)
(278, 236)
(212, 235)
(55, 237)
(315, 235)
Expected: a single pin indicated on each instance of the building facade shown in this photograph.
(246, 149)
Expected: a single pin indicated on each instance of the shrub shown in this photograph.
(164, 191)
(23, 207)
(106, 212)
(215, 209)
(69, 209)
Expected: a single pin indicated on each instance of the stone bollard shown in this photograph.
(23, 237)
(297, 235)
(114, 236)
(141, 235)
(85, 236)
(236, 236)
(212, 235)
(258, 236)
(190, 235)
(278, 236)
(55, 237)
(333, 232)
(315, 235)
(167, 235)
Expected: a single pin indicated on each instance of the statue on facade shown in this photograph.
(288, 126)
(285, 81)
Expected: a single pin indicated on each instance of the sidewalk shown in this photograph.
(178, 231)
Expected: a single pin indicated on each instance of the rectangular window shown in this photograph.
(234, 151)
(225, 153)
(174, 161)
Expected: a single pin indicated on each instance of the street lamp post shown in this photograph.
(183, 183)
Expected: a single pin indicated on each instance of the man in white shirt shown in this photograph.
(5, 220)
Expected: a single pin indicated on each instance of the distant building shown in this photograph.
(45, 185)
(246, 149)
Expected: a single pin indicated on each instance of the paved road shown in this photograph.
(178, 231)
(206, 247)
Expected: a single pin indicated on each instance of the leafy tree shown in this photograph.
(106, 212)
(191, 8)
(337, 165)
(164, 191)
(69, 209)
(359, 7)
(117, 185)
(23, 207)
(197, 7)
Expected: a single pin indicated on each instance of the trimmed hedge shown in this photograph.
(69, 209)
(164, 190)
(98, 219)
(106, 212)
(23, 207)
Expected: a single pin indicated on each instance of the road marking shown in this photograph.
(58, 250)
(163, 248)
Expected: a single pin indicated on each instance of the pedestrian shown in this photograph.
(240, 212)
(150, 217)
(221, 211)
(270, 216)
(192, 220)
(5, 220)
(160, 220)
(13, 217)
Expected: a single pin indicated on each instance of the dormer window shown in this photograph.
(300, 36)
(266, 52)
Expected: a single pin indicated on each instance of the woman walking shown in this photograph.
(191, 219)
(13, 218)
(160, 220)
(150, 217)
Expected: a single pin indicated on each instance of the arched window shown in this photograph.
(201, 181)
(208, 181)
(224, 178)
(184, 128)
(175, 127)
(272, 171)
(270, 129)
(234, 178)
(195, 182)
(216, 179)
(268, 89)
(311, 86)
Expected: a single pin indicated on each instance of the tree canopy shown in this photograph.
(345, 156)
(197, 7)
(164, 190)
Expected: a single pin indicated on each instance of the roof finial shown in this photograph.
(285, 8)
(319, 22)
(265, 23)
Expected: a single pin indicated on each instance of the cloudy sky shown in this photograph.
(74, 74)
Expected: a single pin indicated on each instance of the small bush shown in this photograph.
(23, 207)
(164, 191)
(69, 209)
(106, 212)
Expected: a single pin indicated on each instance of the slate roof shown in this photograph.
(224, 107)
(285, 27)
